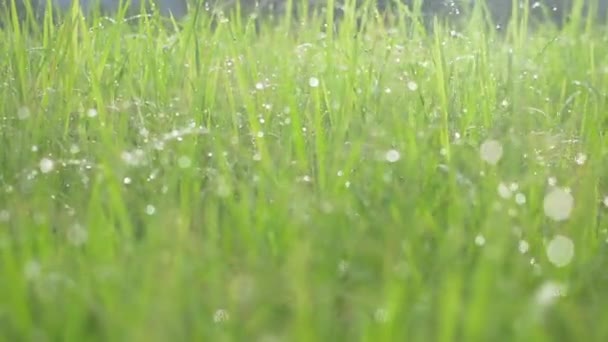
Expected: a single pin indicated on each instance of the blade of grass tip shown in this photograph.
(486, 81)
(591, 17)
(19, 53)
(441, 86)
(329, 22)
(320, 133)
(287, 18)
(575, 17)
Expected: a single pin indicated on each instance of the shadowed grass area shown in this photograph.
(225, 178)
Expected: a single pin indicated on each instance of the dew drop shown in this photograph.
(381, 315)
(491, 151)
(549, 291)
(74, 149)
(480, 240)
(343, 267)
(558, 204)
(184, 162)
(412, 86)
(523, 246)
(223, 188)
(504, 191)
(77, 235)
(126, 180)
(23, 113)
(520, 198)
(392, 156)
(150, 209)
(32, 270)
(313, 82)
(46, 165)
(560, 250)
(580, 158)
(221, 316)
(92, 112)
(5, 215)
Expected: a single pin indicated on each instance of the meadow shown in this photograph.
(230, 177)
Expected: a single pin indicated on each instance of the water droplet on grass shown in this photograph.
(92, 112)
(549, 291)
(343, 267)
(491, 151)
(223, 188)
(134, 158)
(480, 240)
(5, 215)
(412, 86)
(520, 198)
(560, 251)
(184, 162)
(523, 246)
(77, 235)
(558, 204)
(221, 316)
(392, 156)
(32, 270)
(313, 82)
(504, 191)
(126, 180)
(46, 165)
(150, 209)
(23, 113)
(306, 179)
(381, 315)
(580, 158)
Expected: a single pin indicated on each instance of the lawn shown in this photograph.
(234, 178)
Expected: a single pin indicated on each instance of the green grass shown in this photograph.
(247, 181)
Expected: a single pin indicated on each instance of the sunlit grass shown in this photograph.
(231, 178)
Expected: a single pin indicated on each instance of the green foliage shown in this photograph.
(229, 178)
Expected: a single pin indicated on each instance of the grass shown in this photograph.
(247, 180)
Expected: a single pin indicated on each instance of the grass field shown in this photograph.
(238, 180)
